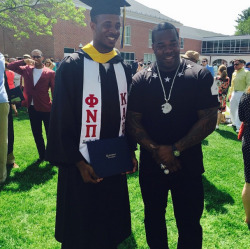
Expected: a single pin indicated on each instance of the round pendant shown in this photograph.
(166, 171)
(166, 108)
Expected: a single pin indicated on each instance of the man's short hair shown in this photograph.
(240, 61)
(12, 59)
(204, 59)
(163, 26)
(37, 51)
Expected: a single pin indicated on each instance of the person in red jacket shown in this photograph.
(10, 76)
(38, 80)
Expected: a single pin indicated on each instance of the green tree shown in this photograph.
(37, 16)
(243, 20)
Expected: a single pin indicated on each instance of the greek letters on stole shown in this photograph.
(92, 103)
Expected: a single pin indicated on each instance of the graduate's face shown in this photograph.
(106, 31)
(166, 49)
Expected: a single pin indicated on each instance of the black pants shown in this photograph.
(188, 202)
(10, 132)
(36, 119)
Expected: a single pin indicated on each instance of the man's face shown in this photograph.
(238, 65)
(106, 32)
(204, 63)
(166, 49)
(38, 58)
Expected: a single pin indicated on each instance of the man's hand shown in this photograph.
(29, 62)
(14, 109)
(163, 154)
(87, 173)
(135, 164)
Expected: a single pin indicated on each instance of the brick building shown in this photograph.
(140, 20)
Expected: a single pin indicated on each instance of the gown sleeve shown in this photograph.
(241, 108)
(65, 120)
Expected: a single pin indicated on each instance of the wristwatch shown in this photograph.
(176, 152)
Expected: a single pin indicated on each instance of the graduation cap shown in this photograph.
(105, 6)
(100, 7)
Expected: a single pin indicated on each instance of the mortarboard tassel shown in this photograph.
(123, 26)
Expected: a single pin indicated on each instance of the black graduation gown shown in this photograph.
(88, 215)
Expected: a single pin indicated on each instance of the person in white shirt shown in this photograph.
(4, 111)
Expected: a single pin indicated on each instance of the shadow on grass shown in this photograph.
(228, 134)
(32, 175)
(204, 142)
(128, 243)
(215, 199)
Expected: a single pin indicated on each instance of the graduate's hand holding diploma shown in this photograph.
(88, 173)
(135, 164)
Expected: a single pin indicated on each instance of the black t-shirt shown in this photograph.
(192, 90)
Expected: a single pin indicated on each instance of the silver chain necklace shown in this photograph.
(166, 107)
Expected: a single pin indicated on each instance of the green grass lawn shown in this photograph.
(28, 199)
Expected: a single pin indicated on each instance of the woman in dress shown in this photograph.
(223, 84)
(244, 115)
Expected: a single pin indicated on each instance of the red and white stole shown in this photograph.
(92, 103)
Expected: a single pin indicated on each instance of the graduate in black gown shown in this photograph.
(92, 212)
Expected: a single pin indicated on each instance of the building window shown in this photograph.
(68, 51)
(237, 46)
(245, 45)
(128, 57)
(150, 39)
(127, 35)
(181, 43)
(149, 57)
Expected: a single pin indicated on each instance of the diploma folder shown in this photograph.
(16, 94)
(110, 157)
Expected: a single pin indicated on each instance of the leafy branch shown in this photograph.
(37, 16)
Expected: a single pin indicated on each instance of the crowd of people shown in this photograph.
(168, 108)
(137, 66)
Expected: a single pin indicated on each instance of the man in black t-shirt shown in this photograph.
(172, 108)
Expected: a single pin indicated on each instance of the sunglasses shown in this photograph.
(36, 56)
(204, 61)
(236, 64)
